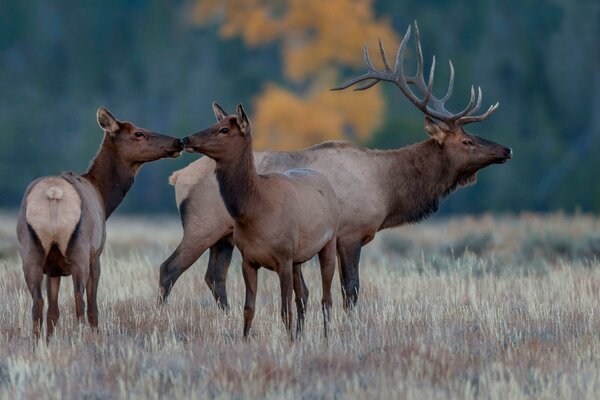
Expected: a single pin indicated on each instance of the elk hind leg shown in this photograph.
(80, 271)
(327, 263)
(218, 266)
(33, 270)
(52, 289)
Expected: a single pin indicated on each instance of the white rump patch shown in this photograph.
(53, 211)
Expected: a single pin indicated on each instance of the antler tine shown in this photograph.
(370, 66)
(479, 99)
(419, 74)
(477, 118)
(386, 65)
(469, 107)
(367, 86)
(371, 74)
(430, 83)
(399, 79)
(399, 67)
(450, 85)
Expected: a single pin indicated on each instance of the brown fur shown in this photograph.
(280, 219)
(61, 224)
(376, 189)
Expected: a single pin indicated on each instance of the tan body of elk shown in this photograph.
(61, 224)
(377, 189)
(280, 219)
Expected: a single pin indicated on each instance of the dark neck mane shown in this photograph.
(111, 176)
(238, 180)
(416, 178)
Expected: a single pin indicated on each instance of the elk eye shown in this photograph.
(223, 130)
(139, 134)
(467, 143)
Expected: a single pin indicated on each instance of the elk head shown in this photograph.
(135, 145)
(463, 152)
(228, 138)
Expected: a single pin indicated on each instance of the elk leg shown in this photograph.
(34, 283)
(33, 270)
(327, 264)
(183, 257)
(299, 291)
(216, 273)
(305, 291)
(92, 292)
(285, 271)
(250, 273)
(80, 272)
(52, 288)
(349, 254)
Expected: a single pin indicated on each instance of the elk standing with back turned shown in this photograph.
(62, 221)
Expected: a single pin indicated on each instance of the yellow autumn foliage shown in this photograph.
(316, 38)
(286, 121)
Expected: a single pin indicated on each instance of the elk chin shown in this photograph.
(467, 179)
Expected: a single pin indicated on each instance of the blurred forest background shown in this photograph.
(162, 63)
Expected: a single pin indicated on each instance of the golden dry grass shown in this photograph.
(515, 317)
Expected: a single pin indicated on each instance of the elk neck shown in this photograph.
(111, 176)
(238, 182)
(415, 178)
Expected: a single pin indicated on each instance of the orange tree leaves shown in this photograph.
(316, 38)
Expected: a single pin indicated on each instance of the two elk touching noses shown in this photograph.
(279, 209)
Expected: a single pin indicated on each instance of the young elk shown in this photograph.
(280, 220)
(61, 224)
(376, 189)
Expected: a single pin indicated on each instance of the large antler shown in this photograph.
(429, 105)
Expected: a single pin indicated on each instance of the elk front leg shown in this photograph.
(285, 272)
(299, 292)
(327, 264)
(305, 291)
(250, 273)
(216, 273)
(92, 292)
(349, 253)
(52, 288)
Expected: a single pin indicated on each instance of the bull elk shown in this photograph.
(280, 220)
(376, 189)
(61, 223)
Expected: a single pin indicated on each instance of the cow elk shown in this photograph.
(61, 223)
(280, 219)
(376, 189)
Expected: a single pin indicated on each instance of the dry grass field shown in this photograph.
(475, 307)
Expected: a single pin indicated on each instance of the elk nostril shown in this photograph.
(185, 141)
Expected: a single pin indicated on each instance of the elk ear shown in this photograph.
(220, 113)
(437, 131)
(242, 119)
(107, 121)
